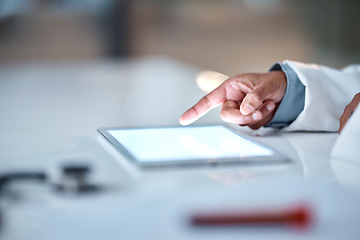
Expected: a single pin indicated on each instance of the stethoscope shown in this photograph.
(71, 179)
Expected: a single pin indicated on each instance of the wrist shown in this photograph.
(292, 102)
(280, 85)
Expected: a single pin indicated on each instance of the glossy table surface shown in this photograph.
(49, 116)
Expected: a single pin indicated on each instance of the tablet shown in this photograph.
(192, 145)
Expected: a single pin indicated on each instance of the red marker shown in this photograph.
(298, 217)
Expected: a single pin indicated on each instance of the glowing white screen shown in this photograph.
(186, 143)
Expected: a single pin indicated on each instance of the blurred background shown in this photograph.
(230, 36)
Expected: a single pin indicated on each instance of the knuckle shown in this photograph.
(249, 78)
(196, 110)
(207, 102)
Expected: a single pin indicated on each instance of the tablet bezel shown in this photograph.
(275, 158)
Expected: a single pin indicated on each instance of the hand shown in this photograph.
(246, 99)
(349, 109)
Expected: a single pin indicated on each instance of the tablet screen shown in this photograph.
(215, 143)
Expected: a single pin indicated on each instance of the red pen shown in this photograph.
(299, 217)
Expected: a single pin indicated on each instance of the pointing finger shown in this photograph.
(210, 101)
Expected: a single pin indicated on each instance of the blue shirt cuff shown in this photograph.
(294, 99)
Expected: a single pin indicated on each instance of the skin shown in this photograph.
(349, 109)
(246, 99)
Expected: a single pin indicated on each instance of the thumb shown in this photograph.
(252, 101)
(272, 86)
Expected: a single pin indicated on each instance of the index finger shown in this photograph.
(208, 102)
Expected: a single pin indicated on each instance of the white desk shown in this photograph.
(50, 113)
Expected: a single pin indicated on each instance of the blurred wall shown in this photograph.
(333, 29)
(230, 36)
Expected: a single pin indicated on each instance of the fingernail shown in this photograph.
(184, 122)
(270, 106)
(256, 116)
(247, 109)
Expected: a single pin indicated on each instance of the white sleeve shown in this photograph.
(345, 161)
(328, 91)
